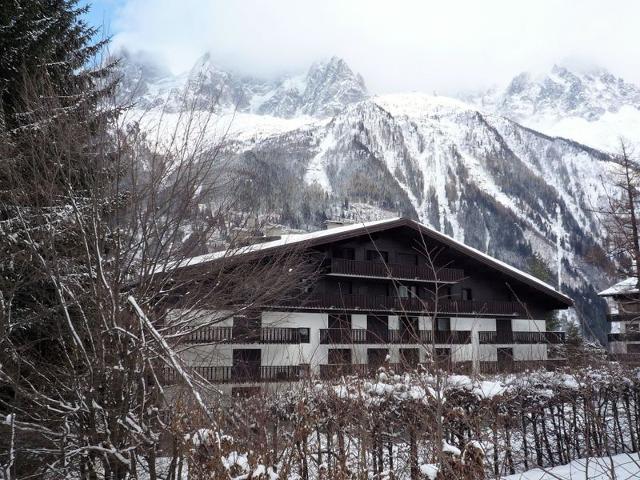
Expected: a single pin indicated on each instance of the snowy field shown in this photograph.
(618, 467)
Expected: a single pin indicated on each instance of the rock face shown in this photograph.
(465, 168)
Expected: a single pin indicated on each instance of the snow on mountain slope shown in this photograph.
(589, 106)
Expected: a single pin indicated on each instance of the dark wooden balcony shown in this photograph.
(215, 334)
(360, 336)
(624, 337)
(242, 373)
(381, 303)
(622, 317)
(398, 271)
(521, 366)
(493, 337)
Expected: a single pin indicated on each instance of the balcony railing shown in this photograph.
(395, 270)
(214, 334)
(330, 371)
(623, 317)
(521, 366)
(242, 373)
(347, 336)
(399, 304)
(624, 337)
(632, 359)
(493, 337)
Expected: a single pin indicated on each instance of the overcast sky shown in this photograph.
(398, 45)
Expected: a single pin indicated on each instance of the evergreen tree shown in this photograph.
(46, 42)
(539, 269)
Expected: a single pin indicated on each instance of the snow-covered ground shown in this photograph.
(617, 467)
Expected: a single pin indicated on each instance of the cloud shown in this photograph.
(397, 46)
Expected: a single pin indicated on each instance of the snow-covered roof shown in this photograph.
(625, 287)
(358, 228)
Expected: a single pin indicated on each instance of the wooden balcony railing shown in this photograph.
(331, 371)
(242, 373)
(521, 366)
(395, 270)
(214, 334)
(492, 337)
(624, 337)
(623, 317)
(411, 305)
(632, 359)
(359, 336)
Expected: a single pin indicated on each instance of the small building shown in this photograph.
(391, 292)
(623, 302)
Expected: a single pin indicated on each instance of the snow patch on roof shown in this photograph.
(626, 286)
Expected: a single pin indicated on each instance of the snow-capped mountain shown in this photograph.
(322, 92)
(318, 145)
(588, 105)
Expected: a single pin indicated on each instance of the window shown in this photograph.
(376, 357)
(442, 355)
(377, 256)
(633, 348)
(346, 253)
(633, 327)
(443, 324)
(340, 321)
(303, 335)
(405, 291)
(467, 294)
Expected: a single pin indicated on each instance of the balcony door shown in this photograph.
(409, 330)
(339, 356)
(246, 328)
(339, 328)
(376, 357)
(504, 331)
(377, 329)
(442, 358)
(409, 357)
(505, 359)
(443, 330)
(246, 364)
(339, 360)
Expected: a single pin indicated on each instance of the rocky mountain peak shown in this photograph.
(330, 86)
(323, 91)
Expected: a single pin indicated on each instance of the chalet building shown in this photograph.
(623, 301)
(391, 292)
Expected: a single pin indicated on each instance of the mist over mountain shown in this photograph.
(319, 146)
